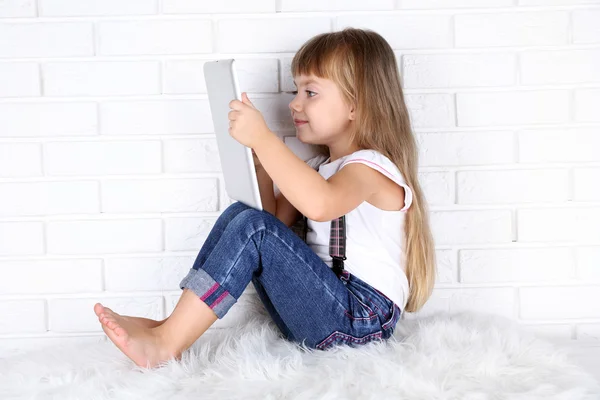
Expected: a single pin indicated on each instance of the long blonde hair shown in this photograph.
(363, 65)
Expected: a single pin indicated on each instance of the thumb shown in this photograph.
(246, 100)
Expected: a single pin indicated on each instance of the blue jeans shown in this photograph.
(307, 301)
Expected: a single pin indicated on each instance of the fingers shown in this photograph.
(246, 100)
(233, 115)
(236, 104)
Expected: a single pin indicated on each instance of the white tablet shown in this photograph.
(241, 182)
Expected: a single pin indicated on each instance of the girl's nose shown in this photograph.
(295, 105)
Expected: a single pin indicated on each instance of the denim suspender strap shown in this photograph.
(337, 243)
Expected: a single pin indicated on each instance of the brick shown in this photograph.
(404, 31)
(431, 110)
(159, 195)
(187, 76)
(269, 35)
(568, 224)
(513, 108)
(147, 273)
(155, 37)
(102, 158)
(51, 276)
(48, 198)
(585, 105)
(478, 226)
(451, 70)
(56, 39)
(47, 119)
(512, 186)
(77, 315)
(515, 265)
(22, 316)
(335, 5)
(559, 302)
(436, 4)
(20, 79)
(183, 234)
(156, 117)
(555, 2)
(559, 145)
(585, 26)
(101, 78)
(438, 187)
(20, 160)
(466, 148)
(70, 8)
(571, 66)
(586, 184)
(213, 7)
(537, 28)
(588, 260)
(445, 266)
(487, 301)
(191, 155)
(17, 9)
(21, 238)
(104, 236)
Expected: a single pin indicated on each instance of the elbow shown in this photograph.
(320, 210)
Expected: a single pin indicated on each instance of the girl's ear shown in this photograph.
(352, 114)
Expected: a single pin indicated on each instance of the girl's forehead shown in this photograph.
(307, 79)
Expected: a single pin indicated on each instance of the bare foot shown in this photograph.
(138, 342)
(145, 322)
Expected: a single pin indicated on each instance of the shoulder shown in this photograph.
(376, 160)
(379, 166)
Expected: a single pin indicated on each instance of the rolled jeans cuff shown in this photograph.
(210, 291)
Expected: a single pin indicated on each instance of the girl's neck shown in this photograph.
(337, 153)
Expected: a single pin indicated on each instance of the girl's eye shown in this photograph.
(295, 92)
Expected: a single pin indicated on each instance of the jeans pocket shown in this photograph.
(382, 306)
(338, 338)
(390, 324)
(358, 309)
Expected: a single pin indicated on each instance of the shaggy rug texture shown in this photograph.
(464, 355)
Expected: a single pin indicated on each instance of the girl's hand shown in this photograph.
(246, 123)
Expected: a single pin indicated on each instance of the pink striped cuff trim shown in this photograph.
(212, 289)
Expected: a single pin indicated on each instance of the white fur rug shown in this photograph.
(444, 356)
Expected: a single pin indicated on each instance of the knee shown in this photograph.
(250, 219)
(235, 208)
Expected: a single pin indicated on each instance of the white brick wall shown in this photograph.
(110, 179)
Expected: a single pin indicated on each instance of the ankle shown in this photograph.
(167, 342)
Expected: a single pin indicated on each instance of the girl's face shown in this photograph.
(320, 114)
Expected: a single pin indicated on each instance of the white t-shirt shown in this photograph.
(374, 237)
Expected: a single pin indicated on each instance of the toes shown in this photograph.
(119, 331)
(98, 309)
(111, 324)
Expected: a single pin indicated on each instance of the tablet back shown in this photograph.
(241, 182)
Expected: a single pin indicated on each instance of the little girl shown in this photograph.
(368, 253)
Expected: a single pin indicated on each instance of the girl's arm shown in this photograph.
(315, 197)
(267, 195)
(297, 181)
